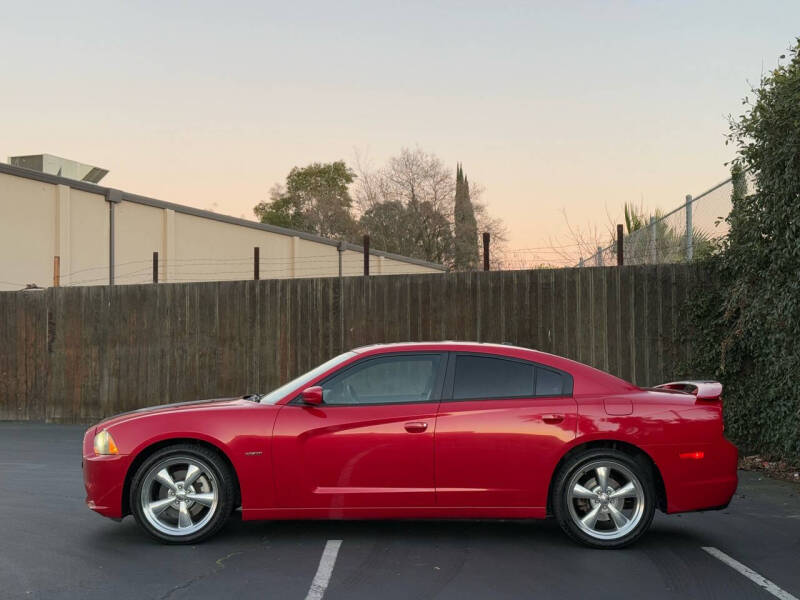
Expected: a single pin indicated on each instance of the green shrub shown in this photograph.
(745, 314)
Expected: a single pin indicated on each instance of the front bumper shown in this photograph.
(104, 479)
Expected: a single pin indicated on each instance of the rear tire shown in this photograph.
(604, 498)
(182, 494)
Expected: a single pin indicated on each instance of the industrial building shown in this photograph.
(58, 226)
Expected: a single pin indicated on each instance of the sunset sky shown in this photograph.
(551, 106)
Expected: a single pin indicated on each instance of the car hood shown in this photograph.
(174, 407)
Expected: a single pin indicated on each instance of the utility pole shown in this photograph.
(485, 250)
(620, 257)
(155, 267)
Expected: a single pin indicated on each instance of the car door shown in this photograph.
(501, 427)
(369, 444)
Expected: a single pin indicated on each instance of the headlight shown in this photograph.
(104, 443)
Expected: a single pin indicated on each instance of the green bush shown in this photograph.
(745, 312)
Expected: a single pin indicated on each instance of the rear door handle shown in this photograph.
(552, 418)
(416, 427)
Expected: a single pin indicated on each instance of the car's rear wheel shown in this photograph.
(604, 498)
(182, 494)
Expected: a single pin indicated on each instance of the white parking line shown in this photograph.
(323, 576)
(750, 574)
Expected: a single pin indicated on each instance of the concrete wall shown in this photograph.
(27, 231)
(138, 232)
(42, 219)
(84, 238)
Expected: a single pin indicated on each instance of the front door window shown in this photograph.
(386, 380)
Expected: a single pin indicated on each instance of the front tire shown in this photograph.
(182, 494)
(604, 498)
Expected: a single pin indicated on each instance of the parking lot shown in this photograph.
(52, 547)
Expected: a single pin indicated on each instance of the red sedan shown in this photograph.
(423, 430)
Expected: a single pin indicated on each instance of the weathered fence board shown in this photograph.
(82, 353)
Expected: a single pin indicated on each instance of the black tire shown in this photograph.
(567, 507)
(216, 480)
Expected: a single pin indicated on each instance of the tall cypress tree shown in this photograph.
(466, 227)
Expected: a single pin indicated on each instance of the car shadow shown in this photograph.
(538, 533)
(544, 532)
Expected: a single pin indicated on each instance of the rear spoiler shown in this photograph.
(704, 390)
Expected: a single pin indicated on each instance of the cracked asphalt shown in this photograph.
(53, 547)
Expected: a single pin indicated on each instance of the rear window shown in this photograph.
(549, 383)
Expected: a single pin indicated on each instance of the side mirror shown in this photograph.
(313, 395)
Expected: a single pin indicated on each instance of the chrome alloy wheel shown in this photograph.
(606, 500)
(179, 495)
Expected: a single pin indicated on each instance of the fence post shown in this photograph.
(485, 250)
(256, 262)
(155, 267)
(56, 271)
(689, 229)
(366, 256)
(653, 241)
(620, 251)
(341, 249)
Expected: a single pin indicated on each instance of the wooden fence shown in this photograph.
(77, 354)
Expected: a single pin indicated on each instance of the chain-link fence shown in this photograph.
(688, 232)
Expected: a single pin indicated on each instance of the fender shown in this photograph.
(244, 438)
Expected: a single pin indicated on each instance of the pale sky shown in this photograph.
(577, 106)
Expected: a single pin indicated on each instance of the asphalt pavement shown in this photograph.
(53, 547)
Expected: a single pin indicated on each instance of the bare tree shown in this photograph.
(367, 190)
(584, 240)
(411, 200)
(411, 177)
(424, 187)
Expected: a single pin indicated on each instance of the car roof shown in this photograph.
(441, 345)
(591, 379)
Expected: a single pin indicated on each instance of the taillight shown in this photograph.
(693, 455)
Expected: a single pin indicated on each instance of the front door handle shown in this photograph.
(552, 418)
(416, 427)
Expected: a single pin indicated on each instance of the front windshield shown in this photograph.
(298, 382)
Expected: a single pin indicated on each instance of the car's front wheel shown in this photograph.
(182, 494)
(604, 498)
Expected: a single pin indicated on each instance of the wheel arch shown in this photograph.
(144, 452)
(626, 447)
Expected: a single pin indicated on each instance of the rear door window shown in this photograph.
(479, 377)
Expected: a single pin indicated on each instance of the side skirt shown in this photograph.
(422, 512)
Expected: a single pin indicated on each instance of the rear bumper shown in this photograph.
(104, 478)
(698, 484)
